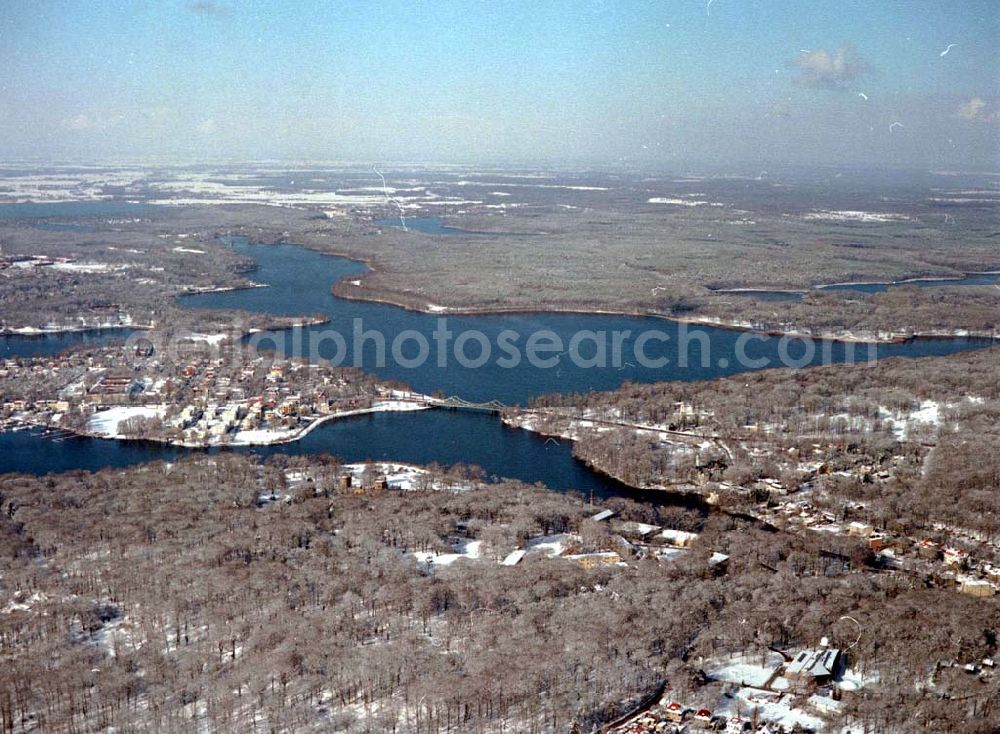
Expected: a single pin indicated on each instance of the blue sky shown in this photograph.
(644, 83)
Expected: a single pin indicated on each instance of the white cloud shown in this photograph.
(821, 68)
(972, 109)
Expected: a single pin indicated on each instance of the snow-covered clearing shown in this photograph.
(105, 423)
(22, 603)
(190, 189)
(550, 545)
(682, 202)
(213, 339)
(397, 476)
(260, 436)
(744, 668)
(850, 215)
(903, 424)
(117, 634)
(852, 680)
(89, 267)
(487, 184)
(778, 708)
(468, 549)
(80, 324)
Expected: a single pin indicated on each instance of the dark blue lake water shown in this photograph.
(972, 279)
(445, 437)
(45, 345)
(300, 283)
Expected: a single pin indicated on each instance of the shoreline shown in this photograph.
(221, 289)
(691, 497)
(342, 288)
(276, 441)
(658, 495)
(30, 331)
(712, 321)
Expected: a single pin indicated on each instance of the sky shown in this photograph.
(645, 84)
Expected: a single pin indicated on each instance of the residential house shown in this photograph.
(674, 712)
(815, 666)
(593, 560)
(977, 587)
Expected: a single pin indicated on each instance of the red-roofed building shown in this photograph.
(674, 712)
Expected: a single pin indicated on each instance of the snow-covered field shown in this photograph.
(81, 325)
(188, 187)
(88, 267)
(201, 189)
(264, 436)
(546, 545)
(20, 602)
(744, 669)
(212, 339)
(550, 545)
(928, 415)
(509, 184)
(850, 215)
(467, 549)
(681, 202)
(105, 423)
(852, 680)
(57, 187)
